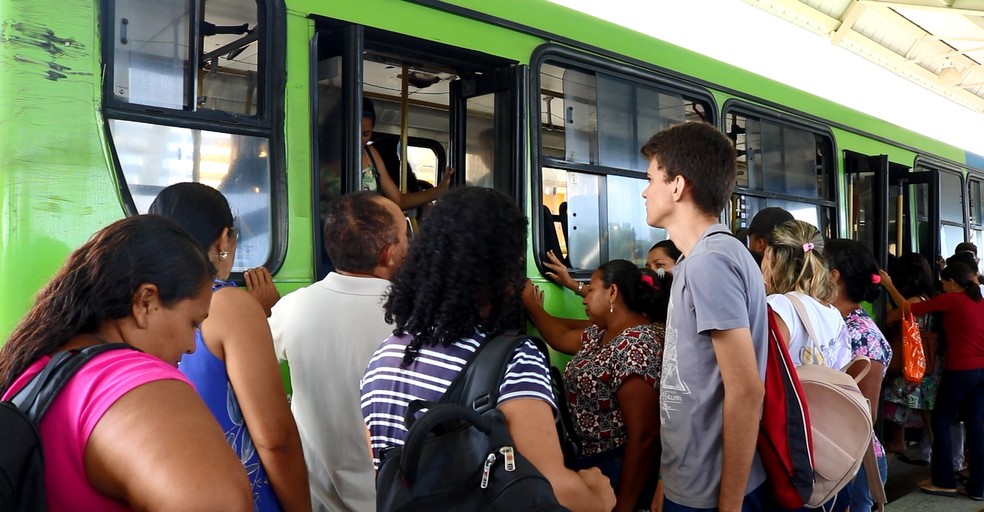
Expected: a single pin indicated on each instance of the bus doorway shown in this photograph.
(434, 106)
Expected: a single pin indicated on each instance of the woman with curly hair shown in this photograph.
(459, 287)
(796, 274)
(612, 381)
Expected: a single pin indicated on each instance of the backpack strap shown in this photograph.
(38, 394)
(477, 386)
(804, 317)
(875, 485)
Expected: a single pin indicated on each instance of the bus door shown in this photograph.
(487, 140)
(867, 201)
(914, 213)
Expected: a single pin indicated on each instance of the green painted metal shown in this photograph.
(58, 185)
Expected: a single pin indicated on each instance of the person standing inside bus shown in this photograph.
(711, 388)
(375, 177)
(234, 367)
(759, 231)
(327, 332)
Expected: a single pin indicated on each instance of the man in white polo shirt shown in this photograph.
(327, 332)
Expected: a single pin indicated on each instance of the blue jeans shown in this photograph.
(610, 464)
(960, 391)
(861, 499)
(755, 501)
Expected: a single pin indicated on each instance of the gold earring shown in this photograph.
(611, 306)
(223, 255)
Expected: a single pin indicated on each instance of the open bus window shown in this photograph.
(951, 212)
(162, 58)
(153, 157)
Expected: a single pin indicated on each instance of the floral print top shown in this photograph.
(596, 372)
(867, 340)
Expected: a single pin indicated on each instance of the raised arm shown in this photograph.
(239, 324)
(158, 448)
(532, 427)
(743, 393)
(410, 200)
(555, 332)
(560, 275)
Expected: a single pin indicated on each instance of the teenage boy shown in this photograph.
(716, 333)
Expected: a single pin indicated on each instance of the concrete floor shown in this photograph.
(902, 489)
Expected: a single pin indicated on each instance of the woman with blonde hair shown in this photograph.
(797, 278)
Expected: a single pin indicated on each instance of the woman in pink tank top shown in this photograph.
(128, 431)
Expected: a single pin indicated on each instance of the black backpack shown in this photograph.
(22, 486)
(459, 456)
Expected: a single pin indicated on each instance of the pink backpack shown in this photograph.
(840, 418)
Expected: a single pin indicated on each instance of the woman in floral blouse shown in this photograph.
(612, 380)
(854, 269)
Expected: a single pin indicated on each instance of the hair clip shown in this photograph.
(661, 273)
(807, 247)
(875, 279)
(649, 280)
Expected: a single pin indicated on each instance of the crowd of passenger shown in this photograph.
(664, 382)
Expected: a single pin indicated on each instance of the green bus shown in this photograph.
(103, 104)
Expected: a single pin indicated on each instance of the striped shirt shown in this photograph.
(387, 389)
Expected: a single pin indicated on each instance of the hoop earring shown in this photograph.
(223, 255)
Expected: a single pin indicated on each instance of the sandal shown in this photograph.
(939, 491)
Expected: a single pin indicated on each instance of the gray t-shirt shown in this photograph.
(716, 287)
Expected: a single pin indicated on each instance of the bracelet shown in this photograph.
(580, 288)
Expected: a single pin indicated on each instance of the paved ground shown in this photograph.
(903, 492)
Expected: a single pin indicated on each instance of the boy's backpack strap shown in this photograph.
(477, 386)
(36, 396)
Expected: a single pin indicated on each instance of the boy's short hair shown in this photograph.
(703, 156)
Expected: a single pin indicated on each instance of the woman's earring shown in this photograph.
(223, 255)
(611, 307)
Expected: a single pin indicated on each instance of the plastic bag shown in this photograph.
(913, 357)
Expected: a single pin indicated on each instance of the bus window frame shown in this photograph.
(832, 184)
(652, 77)
(271, 77)
(926, 163)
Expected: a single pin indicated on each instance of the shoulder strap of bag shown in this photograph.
(871, 474)
(35, 397)
(477, 386)
(804, 317)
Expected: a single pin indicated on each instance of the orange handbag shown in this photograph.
(913, 357)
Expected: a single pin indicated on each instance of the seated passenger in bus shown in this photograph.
(855, 270)
(233, 366)
(327, 332)
(376, 178)
(458, 288)
(794, 269)
(128, 430)
(612, 381)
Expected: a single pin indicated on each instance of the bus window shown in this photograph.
(592, 175)
(153, 157)
(185, 102)
(781, 165)
(160, 61)
(951, 212)
(976, 195)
